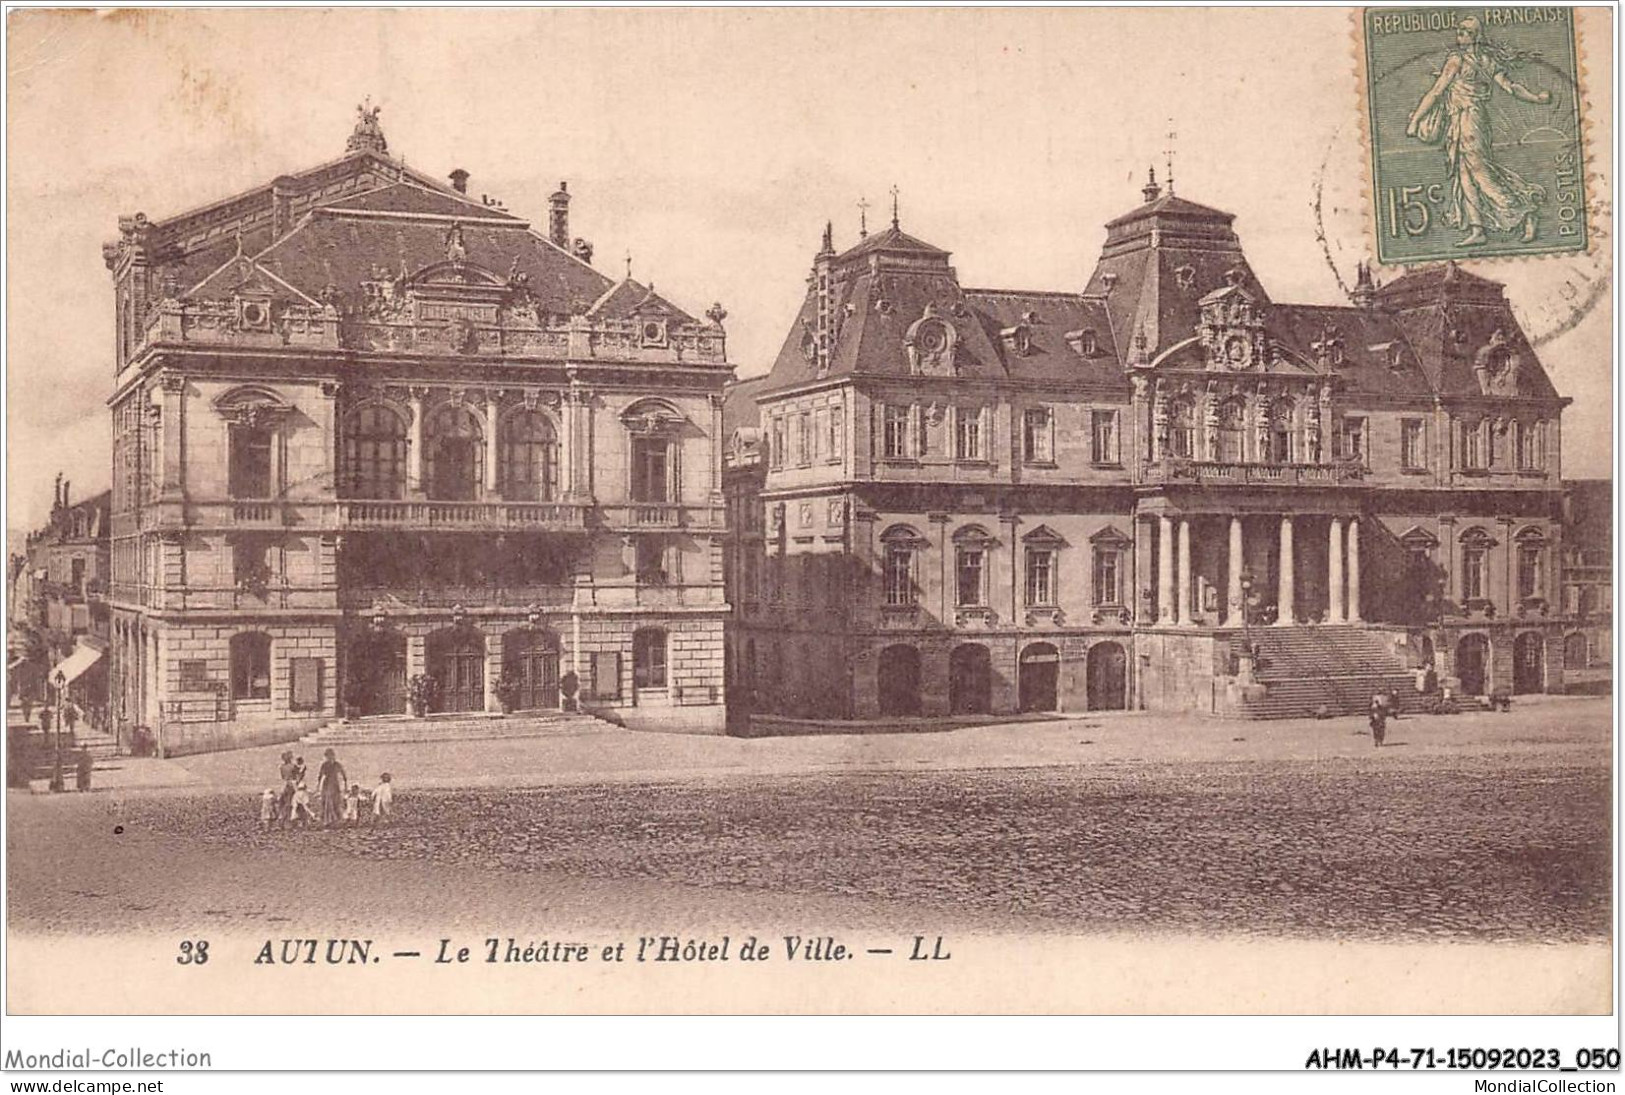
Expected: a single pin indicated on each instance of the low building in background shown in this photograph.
(60, 615)
(1588, 585)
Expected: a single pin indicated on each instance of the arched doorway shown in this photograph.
(970, 680)
(1529, 663)
(1040, 670)
(530, 657)
(456, 660)
(1472, 664)
(1108, 677)
(899, 680)
(375, 673)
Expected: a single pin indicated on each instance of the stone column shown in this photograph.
(1234, 610)
(1165, 570)
(1185, 571)
(1354, 570)
(1334, 573)
(492, 408)
(1284, 589)
(414, 444)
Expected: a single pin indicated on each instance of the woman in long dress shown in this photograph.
(1483, 193)
(330, 785)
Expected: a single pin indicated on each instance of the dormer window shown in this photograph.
(1083, 342)
(1019, 338)
(653, 332)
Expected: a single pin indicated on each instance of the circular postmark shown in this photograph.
(1552, 293)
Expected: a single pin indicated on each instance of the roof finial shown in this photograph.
(367, 136)
(1168, 175)
(1151, 190)
(863, 217)
(628, 264)
(239, 240)
(828, 247)
(894, 193)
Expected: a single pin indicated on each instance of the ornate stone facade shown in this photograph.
(1167, 491)
(367, 428)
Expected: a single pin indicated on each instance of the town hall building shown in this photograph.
(374, 438)
(1165, 490)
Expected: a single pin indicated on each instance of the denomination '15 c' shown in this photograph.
(1407, 212)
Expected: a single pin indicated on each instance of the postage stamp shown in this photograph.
(1476, 148)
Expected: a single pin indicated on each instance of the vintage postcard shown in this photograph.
(1477, 142)
(669, 511)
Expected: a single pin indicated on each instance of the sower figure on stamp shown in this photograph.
(1456, 110)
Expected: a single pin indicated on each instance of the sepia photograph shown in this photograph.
(810, 511)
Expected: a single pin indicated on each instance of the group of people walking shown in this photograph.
(339, 801)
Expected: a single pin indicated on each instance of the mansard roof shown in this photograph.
(1167, 268)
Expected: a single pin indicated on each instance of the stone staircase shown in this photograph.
(402, 729)
(1305, 668)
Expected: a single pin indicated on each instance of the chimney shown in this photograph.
(1151, 190)
(558, 221)
(459, 181)
(282, 191)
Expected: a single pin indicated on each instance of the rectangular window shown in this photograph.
(1472, 446)
(803, 442)
(1411, 454)
(1040, 576)
(1472, 573)
(775, 444)
(1037, 435)
(651, 463)
(1103, 437)
(820, 426)
(972, 572)
(968, 434)
(1354, 448)
(1528, 572)
(899, 576)
(835, 443)
(1108, 577)
(249, 475)
(649, 658)
(1528, 445)
(894, 442)
(651, 560)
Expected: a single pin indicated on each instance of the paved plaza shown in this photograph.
(1482, 827)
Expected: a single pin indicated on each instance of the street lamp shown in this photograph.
(61, 682)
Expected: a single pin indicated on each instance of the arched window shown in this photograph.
(649, 658)
(1232, 432)
(1182, 428)
(1283, 438)
(1576, 651)
(374, 454)
(455, 464)
(251, 666)
(530, 459)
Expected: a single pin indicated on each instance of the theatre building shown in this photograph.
(369, 429)
(1164, 490)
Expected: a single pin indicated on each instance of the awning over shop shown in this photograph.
(75, 664)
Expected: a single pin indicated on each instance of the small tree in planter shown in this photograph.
(420, 693)
(507, 690)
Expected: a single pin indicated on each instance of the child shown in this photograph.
(383, 799)
(301, 806)
(352, 805)
(267, 810)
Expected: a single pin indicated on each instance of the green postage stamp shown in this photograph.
(1476, 145)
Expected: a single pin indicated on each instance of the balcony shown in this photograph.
(662, 515)
(1217, 473)
(536, 516)
(442, 597)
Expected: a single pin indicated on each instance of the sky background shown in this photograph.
(713, 145)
